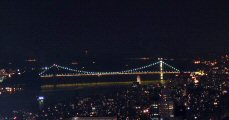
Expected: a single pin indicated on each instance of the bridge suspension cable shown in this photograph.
(137, 70)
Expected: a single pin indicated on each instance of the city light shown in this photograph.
(41, 98)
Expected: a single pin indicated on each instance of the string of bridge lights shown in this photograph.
(140, 68)
(46, 69)
(101, 73)
(171, 66)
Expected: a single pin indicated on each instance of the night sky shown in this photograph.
(52, 29)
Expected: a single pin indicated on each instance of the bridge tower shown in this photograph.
(161, 68)
(139, 79)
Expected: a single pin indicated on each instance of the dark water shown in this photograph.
(27, 100)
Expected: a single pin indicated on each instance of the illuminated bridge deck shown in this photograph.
(159, 67)
(107, 74)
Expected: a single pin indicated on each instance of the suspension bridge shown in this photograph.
(159, 67)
